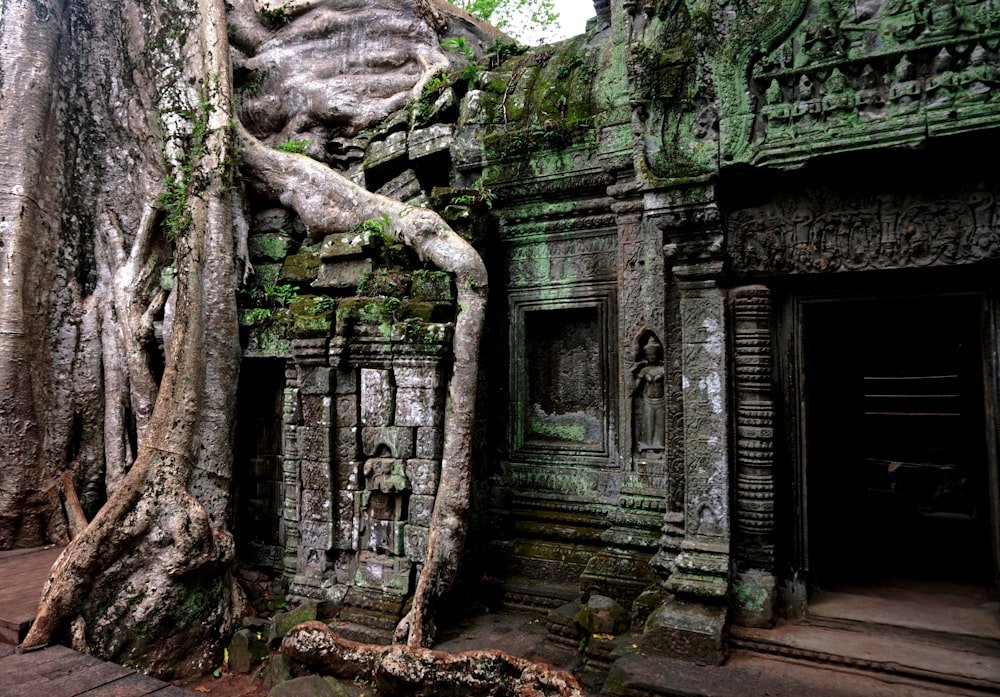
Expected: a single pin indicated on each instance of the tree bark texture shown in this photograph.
(156, 557)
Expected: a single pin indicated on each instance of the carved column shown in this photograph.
(753, 367)
(692, 623)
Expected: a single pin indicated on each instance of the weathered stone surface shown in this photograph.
(301, 268)
(687, 630)
(341, 246)
(397, 440)
(278, 670)
(246, 650)
(402, 187)
(341, 275)
(307, 686)
(429, 441)
(422, 475)
(376, 398)
(284, 621)
(602, 615)
(418, 406)
(430, 140)
(421, 508)
(270, 247)
(382, 152)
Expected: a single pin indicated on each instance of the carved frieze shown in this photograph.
(844, 234)
(849, 74)
(562, 259)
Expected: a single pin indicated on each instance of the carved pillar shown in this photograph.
(754, 453)
(695, 546)
(312, 447)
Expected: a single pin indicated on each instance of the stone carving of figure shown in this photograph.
(650, 396)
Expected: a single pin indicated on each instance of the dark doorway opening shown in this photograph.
(897, 466)
(258, 489)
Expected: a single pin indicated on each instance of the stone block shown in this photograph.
(421, 508)
(340, 246)
(348, 517)
(347, 411)
(429, 141)
(754, 595)
(419, 406)
(689, 631)
(314, 379)
(385, 536)
(348, 475)
(376, 397)
(389, 283)
(402, 187)
(316, 534)
(300, 268)
(345, 381)
(417, 376)
(315, 505)
(433, 286)
(314, 442)
(382, 152)
(398, 441)
(415, 542)
(271, 247)
(429, 442)
(603, 615)
(345, 274)
(316, 409)
(265, 275)
(345, 568)
(315, 475)
(390, 574)
(423, 476)
(284, 621)
(347, 444)
(278, 670)
(246, 650)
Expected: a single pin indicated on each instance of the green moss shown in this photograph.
(385, 282)
(565, 432)
(301, 268)
(431, 285)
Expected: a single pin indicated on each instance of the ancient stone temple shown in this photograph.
(742, 343)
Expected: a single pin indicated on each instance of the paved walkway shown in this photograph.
(54, 671)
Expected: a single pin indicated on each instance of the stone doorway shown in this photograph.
(896, 466)
(258, 489)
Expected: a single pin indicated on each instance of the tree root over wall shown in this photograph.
(414, 672)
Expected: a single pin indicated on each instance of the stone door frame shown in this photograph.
(789, 381)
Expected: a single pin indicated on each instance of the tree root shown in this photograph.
(404, 670)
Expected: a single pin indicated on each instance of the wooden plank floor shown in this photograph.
(54, 671)
(23, 572)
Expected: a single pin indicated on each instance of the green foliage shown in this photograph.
(458, 44)
(294, 146)
(501, 51)
(519, 18)
(283, 295)
(173, 201)
(375, 235)
(275, 17)
(259, 315)
(479, 194)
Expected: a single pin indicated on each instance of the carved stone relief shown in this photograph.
(844, 234)
(892, 71)
(649, 397)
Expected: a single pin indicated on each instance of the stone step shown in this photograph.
(970, 626)
(875, 653)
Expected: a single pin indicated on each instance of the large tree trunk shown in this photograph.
(156, 557)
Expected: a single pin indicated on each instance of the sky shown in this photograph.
(573, 16)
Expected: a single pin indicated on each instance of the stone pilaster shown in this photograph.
(695, 547)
